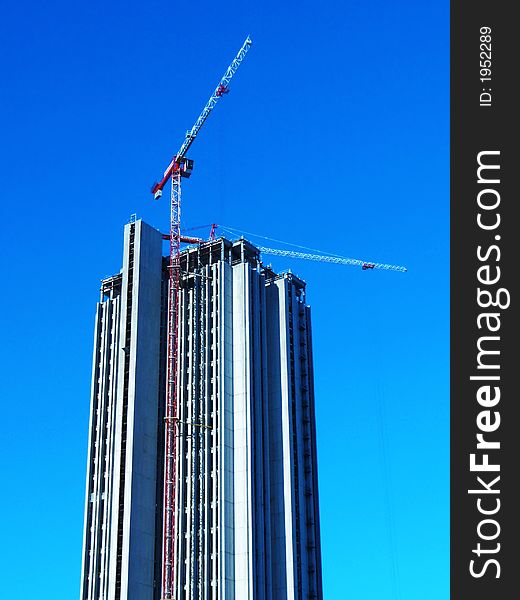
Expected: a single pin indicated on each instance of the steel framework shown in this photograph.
(171, 416)
(332, 259)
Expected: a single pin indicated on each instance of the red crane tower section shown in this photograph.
(179, 167)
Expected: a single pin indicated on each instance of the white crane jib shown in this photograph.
(339, 260)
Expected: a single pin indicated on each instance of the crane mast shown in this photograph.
(179, 167)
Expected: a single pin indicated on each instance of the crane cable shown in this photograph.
(386, 469)
(388, 489)
(233, 231)
(321, 256)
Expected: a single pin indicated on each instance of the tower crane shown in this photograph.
(180, 166)
(338, 260)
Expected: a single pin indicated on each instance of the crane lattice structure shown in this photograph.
(322, 257)
(339, 260)
(179, 167)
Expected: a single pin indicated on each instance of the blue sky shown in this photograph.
(336, 136)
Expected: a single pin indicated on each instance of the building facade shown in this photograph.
(246, 495)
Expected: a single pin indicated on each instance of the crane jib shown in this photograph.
(339, 260)
(221, 90)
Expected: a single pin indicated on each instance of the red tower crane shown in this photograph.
(179, 167)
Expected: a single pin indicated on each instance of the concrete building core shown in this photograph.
(247, 495)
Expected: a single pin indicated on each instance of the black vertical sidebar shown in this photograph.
(485, 361)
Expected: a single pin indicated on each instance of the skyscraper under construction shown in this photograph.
(246, 503)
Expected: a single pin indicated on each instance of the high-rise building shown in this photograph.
(246, 512)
